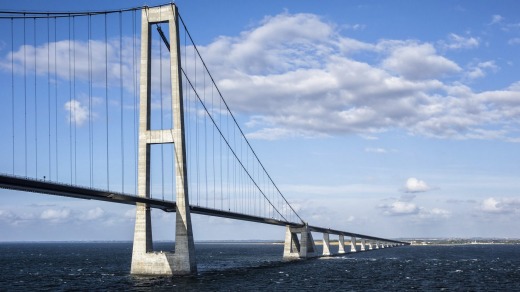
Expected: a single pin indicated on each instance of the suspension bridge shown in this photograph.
(120, 106)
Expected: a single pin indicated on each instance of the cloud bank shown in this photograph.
(297, 75)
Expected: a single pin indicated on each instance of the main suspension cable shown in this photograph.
(234, 119)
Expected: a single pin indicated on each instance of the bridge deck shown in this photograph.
(59, 189)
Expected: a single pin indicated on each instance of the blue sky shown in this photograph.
(389, 118)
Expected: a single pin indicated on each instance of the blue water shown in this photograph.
(254, 267)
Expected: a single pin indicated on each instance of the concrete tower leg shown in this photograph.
(144, 260)
(370, 245)
(326, 245)
(341, 242)
(363, 243)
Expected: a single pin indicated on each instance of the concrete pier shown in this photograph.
(296, 249)
(341, 244)
(326, 245)
(353, 244)
(363, 243)
(144, 260)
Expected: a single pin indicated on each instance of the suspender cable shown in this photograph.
(121, 106)
(56, 96)
(70, 102)
(90, 126)
(205, 145)
(162, 111)
(76, 101)
(196, 130)
(49, 90)
(106, 100)
(35, 103)
(213, 147)
(12, 85)
(134, 75)
(25, 89)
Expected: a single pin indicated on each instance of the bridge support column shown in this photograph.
(326, 245)
(363, 243)
(296, 249)
(370, 245)
(353, 244)
(341, 243)
(144, 260)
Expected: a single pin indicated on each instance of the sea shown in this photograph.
(239, 266)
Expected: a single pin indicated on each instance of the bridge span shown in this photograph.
(208, 151)
(295, 247)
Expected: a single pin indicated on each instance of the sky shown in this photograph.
(389, 118)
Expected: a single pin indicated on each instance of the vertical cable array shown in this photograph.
(232, 173)
(94, 70)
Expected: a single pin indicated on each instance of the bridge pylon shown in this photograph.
(144, 260)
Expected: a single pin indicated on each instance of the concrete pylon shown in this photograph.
(341, 243)
(144, 260)
(370, 245)
(326, 245)
(295, 248)
(353, 244)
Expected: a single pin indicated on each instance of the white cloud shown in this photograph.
(435, 213)
(308, 84)
(400, 208)
(72, 60)
(500, 205)
(355, 27)
(479, 70)
(77, 113)
(496, 19)
(456, 42)
(414, 185)
(411, 62)
(55, 214)
(296, 75)
(94, 214)
(376, 150)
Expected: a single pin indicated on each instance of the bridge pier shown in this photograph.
(363, 243)
(144, 260)
(353, 243)
(341, 244)
(326, 245)
(293, 248)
